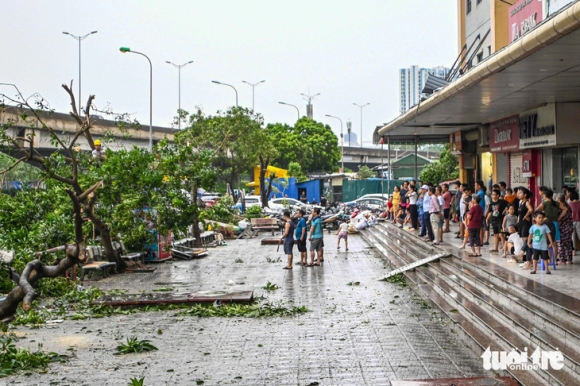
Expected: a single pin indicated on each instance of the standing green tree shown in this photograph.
(365, 172)
(188, 164)
(237, 155)
(443, 169)
(310, 143)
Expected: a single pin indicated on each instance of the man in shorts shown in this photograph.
(300, 236)
(316, 238)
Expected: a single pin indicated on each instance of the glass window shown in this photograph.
(468, 6)
(570, 166)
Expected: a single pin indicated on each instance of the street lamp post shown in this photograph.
(178, 66)
(288, 104)
(361, 120)
(125, 50)
(253, 86)
(342, 141)
(80, 38)
(225, 84)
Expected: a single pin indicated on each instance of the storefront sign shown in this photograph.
(537, 128)
(523, 16)
(504, 135)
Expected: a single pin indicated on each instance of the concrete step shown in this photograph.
(473, 335)
(512, 322)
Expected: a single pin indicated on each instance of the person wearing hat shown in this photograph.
(98, 152)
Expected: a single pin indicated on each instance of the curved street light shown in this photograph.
(288, 104)
(80, 38)
(225, 84)
(253, 85)
(125, 50)
(342, 141)
(179, 66)
(361, 121)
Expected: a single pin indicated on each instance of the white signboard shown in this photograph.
(537, 127)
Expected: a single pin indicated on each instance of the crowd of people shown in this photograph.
(521, 231)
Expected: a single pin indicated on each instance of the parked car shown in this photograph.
(384, 196)
(251, 201)
(284, 202)
(369, 203)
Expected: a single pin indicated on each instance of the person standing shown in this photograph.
(343, 234)
(396, 198)
(495, 216)
(434, 214)
(300, 235)
(538, 240)
(502, 190)
(566, 249)
(413, 197)
(323, 202)
(426, 229)
(288, 238)
(316, 238)
(303, 198)
(439, 194)
(575, 208)
(475, 218)
(446, 206)
(525, 211)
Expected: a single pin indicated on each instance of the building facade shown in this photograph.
(412, 81)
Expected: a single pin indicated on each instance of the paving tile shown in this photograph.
(370, 334)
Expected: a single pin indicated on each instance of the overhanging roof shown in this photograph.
(541, 67)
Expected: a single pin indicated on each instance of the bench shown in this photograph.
(122, 251)
(265, 224)
(96, 265)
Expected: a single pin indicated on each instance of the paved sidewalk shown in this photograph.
(368, 334)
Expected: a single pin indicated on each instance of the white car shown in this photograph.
(369, 203)
(375, 195)
(252, 201)
(286, 203)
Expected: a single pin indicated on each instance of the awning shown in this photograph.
(541, 67)
(433, 83)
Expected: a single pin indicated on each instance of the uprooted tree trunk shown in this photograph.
(35, 270)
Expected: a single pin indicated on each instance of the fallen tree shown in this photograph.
(63, 166)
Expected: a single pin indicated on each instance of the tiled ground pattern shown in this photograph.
(368, 334)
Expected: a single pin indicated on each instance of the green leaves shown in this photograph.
(134, 345)
(443, 169)
(13, 359)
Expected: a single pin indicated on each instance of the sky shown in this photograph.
(348, 51)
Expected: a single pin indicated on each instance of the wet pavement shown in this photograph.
(367, 334)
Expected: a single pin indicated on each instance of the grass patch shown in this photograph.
(134, 345)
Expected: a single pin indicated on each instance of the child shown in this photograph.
(509, 220)
(390, 208)
(343, 234)
(539, 235)
(514, 244)
(465, 222)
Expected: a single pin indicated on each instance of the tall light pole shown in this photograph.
(361, 121)
(342, 140)
(125, 50)
(225, 84)
(80, 38)
(288, 104)
(309, 108)
(253, 85)
(178, 66)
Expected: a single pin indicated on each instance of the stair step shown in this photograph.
(515, 322)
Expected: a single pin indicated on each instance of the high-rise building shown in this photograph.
(412, 81)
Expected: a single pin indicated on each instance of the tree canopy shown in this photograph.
(443, 169)
(312, 144)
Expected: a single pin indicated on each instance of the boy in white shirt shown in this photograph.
(514, 244)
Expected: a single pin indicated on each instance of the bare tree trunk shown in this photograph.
(35, 270)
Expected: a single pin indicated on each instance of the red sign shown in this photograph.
(504, 135)
(523, 16)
